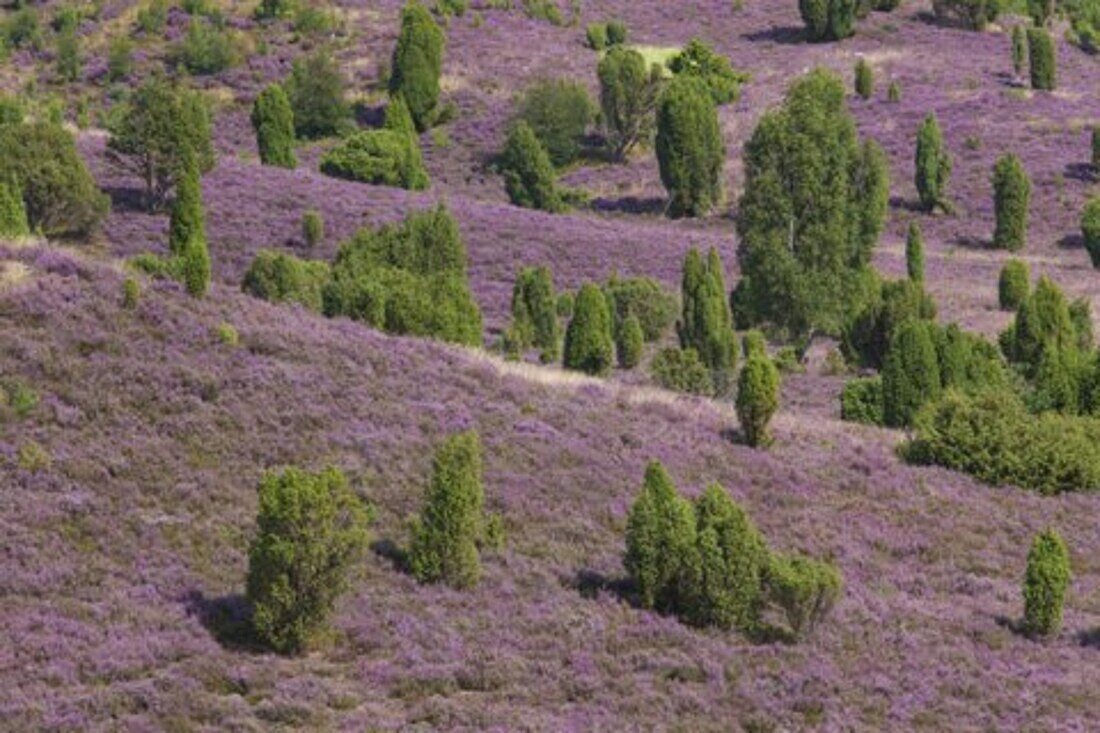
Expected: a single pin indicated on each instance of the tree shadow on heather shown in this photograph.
(968, 241)
(903, 204)
(128, 198)
(227, 618)
(1072, 241)
(787, 35)
(369, 115)
(1080, 172)
(1089, 638)
(390, 550)
(631, 205)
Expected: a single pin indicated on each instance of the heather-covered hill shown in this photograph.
(126, 529)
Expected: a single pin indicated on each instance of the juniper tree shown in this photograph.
(705, 323)
(528, 173)
(313, 228)
(690, 150)
(911, 374)
(589, 346)
(558, 112)
(273, 122)
(446, 535)
(186, 218)
(812, 209)
(629, 341)
(757, 399)
(534, 314)
(660, 542)
(311, 531)
(933, 165)
(700, 60)
(1012, 196)
(1044, 63)
(398, 118)
(1019, 49)
(1090, 230)
(1045, 583)
(315, 90)
(865, 79)
(1014, 284)
(754, 342)
(914, 254)
(1041, 11)
(13, 213)
(1043, 321)
(417, 64)
(628, 97)
(828, 20)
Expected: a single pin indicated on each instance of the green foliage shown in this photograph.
(155, 132)
(690, 149)
(11, 110)
(757, 399)
(228, 335)
(914, 254)
(408, 278)
(268, 9)
(565, 305)
(1090, 230)
(813, 206)
(699, 60)
(1041, 11)
(628, 97)
(969, 363)
(280, 278)
(417, 64)
(753, 342)
(705, 323)
(1096, 148)
(589, 346)
(933, 166)
(911, 373)
(629, 342)
(596, 36)
(273, 121)
(1011, 198)
(1019, 49)
(13, 213)
(1045, 583)
(865, 79)
(1043, 321)
(558, 111)
(616, 33)
(1044, 63)
(534, 315)
(1080, 315)
(1058, 381)
(445, 538)
(660, 542)
(862, 401)
(973, 14)
(804, 589)
(382, 157)
(21, 29)
(316, 93)
(313, 228)
(186, 220)
(69, 59)
(1014, 283)
(120, 58)
(152, 18)
(528, 173)
(17, 397)
(131, 293)
(60, 197)
(311, 532)
(681, 370)
(828, 20)
(206, 49)
(644, 298)
(867, 335)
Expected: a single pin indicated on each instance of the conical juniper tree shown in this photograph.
(933, 166)
(690, 149)
(589, 345)
(706, 324)
(660, 542)
(273, 121)
(418, 63)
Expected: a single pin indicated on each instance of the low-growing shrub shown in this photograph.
(131, 293)
(681, 370)
(804, 589)
(1045, 584)
(381, 157)
(862, 401)
(283, 278)
(973, 14)
(644, 298)
(596, 36)
(558, 111)
(315, 89)
(206, 49)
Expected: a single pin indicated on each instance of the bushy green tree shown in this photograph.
(206, 48)
(813, 206)
(753, 342)
(1058, 381)
(446, 536)
(660, 542)
(628, 97)
(534, 312)
(418, 63)
(699, 60)
(933, 166)
(681, 371)
(861, 401)
(311, 532)
(804, 589)
(1041, 11)
(865, 79)
(1014, 283)
(589, 346)
(313, 228)
(273, 121)
(690, 149)
(974, 14)
(629, 342)
(1012, 199)
(1090, 230)
(914, 254)
(646, 299)
(828, 20)
(186, 218)
(1043, 321)
(1044, 63)
(757, 399)
(1019, 49)
(1045, 583)
(911, 374)
(315, 90)
(727, 591)
(383, 157)
(706, 324)
(558, 111)
(13, 213)
(278, 277)
(528, 173)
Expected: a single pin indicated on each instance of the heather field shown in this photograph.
(129, 496)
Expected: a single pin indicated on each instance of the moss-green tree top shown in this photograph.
(589, 346)
(690, 149)
(273, 121)
(418, 63)
(700, 60)
(1045, 583)
(660, 540)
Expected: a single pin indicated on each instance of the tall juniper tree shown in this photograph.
(690, 149)
(273, 121)
(418, 64)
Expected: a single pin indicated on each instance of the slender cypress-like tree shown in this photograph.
(1044, 62)
(1045, 583)
(1012, 197)
(706, 324)
(914, 254)
(757, 399)
(273, 121)
(418, 64)
(589, 346)
(911, 374)
(690, 149)
(660, 542)
(933, 166)
(528, 173)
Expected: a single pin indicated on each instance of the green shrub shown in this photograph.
(753, 342)
(660, 542)
(528, 173)
(699, 60)
(911, 373)
(690, 149)
(804, 589)
(706, 324)
(628, 97)
(629, 342)
(968, 362)
(1080, 315)
(933, 166)
(1014, 283)
(534, 315)
(589, 345)
(279, 278)
(13, 213)
(1019, 49)
(69, 59)
(862, 401)
(616, 33)
(828, 20)
(131, 293)
(893, 93)
(681, 370)
(1044, 64)
(757, 399)
(311, 532)
(417, 64)
(120, 58)
(381, 157)
(445, 537)
(644, 298)
(867, 335)
(914, 254)
(558, 111)
(865, 79)
(1090, 230)
(315, 90)
(313, 228)
(313, 20)
(973, 14)
(206, 49)
(1042, 321)
(228, 335)
(152, 18)
(1012, 197)
(1058, 381)
(59, 194)
(596, 36)
(21, 29)
(11, 110)
(268, 9)
(187, 219)
(565, 305)
(21, 399)
(273, 122)
(1045, 583)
